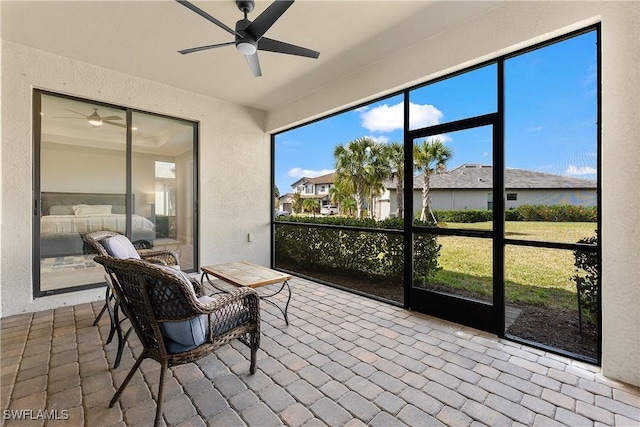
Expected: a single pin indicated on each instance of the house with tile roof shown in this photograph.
(309, 188)
(469, 186)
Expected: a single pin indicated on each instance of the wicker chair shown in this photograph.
(160, 301)
(164, 257)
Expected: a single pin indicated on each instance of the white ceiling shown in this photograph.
(142, 38)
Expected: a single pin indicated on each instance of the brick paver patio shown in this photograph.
(345, 361)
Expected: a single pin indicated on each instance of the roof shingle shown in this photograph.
(470, 176)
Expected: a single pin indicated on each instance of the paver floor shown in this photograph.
(345, 360)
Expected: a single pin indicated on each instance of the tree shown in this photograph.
(338, 193)
(296, 203)
(361, 164)
(377, 171)
(395, 154)
(276, 195)
(348, 206)
(310, 205)
(428, 157)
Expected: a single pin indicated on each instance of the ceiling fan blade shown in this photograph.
(271, 45)
(262, 23)
(208, 17)
(112, 118)
(75, 112)
(210, 46)
(120, 125)
(254, 64)
(79, 118)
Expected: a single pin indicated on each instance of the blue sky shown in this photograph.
(550, 117)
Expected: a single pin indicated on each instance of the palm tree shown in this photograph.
(377, 172)
(338, 193)
(276, 195)
(310, 205)
(428, 157)
(395, 154)
(348, 205)
(361, 164)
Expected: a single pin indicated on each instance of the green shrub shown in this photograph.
(354, 252)
(558, 213)
(586, 278)
(464, 215)
(548, 213)
(512, 215)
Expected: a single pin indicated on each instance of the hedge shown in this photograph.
(586, 279)
(547, 213)
(353, 252)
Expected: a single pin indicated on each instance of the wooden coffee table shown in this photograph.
(241, 273)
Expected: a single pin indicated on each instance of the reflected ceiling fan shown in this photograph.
(249, 35)
(95, 119)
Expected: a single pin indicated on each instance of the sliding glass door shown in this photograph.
(162, 181)
(104, 167)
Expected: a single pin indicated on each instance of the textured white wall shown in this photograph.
(232, 143)
(1, 170)
(508, 28)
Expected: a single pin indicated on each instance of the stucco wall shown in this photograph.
(231, 141)
(505, 29)
(478, 199)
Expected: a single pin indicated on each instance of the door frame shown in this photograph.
(474, 313)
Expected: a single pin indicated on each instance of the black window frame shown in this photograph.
(499, 203)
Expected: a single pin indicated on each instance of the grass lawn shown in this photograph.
(533, 276)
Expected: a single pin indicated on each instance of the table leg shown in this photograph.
(273, 303)
(213, 285)
(265, 298)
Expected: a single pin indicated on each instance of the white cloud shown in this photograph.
(381, 139)
(580, 170)
(385, 118)
(441, 136)
(423, 115)
(299, 172)
(534, 129)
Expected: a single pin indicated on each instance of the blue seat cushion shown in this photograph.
(120, 247)
(186, 334)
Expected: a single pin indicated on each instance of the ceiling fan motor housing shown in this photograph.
(246, 45)
(245, 6)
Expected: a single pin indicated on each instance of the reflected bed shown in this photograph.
(66, 217)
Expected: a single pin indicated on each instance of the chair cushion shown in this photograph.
(187, 334)
(120, 247)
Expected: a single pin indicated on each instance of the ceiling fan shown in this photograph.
(249, 35)
(95, 119)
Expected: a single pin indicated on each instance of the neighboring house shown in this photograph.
(284, 202)
(314, 188)
(469, 187)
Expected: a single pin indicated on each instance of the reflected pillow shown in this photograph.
(92, 209)
(120, 247)
(118, 209)
(61, 210)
